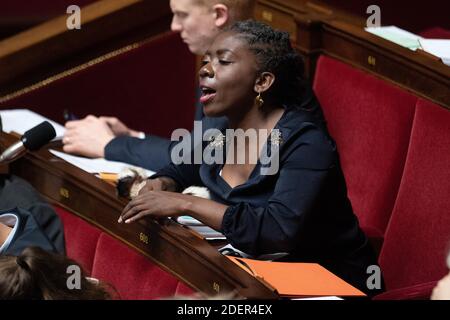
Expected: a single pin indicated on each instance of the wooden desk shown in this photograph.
(318, 29)
(171, 246)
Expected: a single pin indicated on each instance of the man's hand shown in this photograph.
(87, 137)
(119, 128)
(442, 290)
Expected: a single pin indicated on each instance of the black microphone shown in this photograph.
(31, 140)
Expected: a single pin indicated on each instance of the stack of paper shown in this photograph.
(206, 232)
(438, 47)
(399, 36)
(22, 120)
(96, 165)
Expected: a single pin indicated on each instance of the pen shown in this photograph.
(69, 116)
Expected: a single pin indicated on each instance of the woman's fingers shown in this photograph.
(138, 216)
(155, 203)
(133, 212)
(130, 208)
(140, 203)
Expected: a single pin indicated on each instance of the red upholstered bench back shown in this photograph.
(151, 88)
(371, 122)
(395, 152)
(133, 275)
(81, 239)
(418, 235)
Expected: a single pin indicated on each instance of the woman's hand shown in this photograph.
(157, 199)
(156, 204)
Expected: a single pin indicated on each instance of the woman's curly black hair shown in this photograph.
(274, 53)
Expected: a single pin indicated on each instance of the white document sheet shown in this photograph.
(397, 35)
(95, 165)
(22, 120)
(438, 47)
(205, 231)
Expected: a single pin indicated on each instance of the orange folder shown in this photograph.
(298, 279)
(111, 178)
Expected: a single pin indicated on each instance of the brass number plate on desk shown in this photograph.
(63, 192)
(143, 238)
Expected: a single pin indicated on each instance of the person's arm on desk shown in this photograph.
(159, 199)
(120, 129)
(89, 136)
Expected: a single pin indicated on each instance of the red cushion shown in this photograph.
(417, 238)
(420, 291)
(183, 290)
(133, 275)
(371, 122)
(150, 88)
(81, 238)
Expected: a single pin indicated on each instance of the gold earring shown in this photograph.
(259, 101)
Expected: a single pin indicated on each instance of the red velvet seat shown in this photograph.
(132, 275)
(370, 121)
(151, 88)
(81, 238)
(418, 235)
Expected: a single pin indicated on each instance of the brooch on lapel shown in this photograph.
(217, 141)
(276, 138)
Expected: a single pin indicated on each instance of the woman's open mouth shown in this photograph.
(208, 94)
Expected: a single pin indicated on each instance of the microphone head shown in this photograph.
(38, 136)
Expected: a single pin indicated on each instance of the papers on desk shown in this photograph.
(206, 232)
(399, 36)
(22, 120)
(437, 47)
(95, 165)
